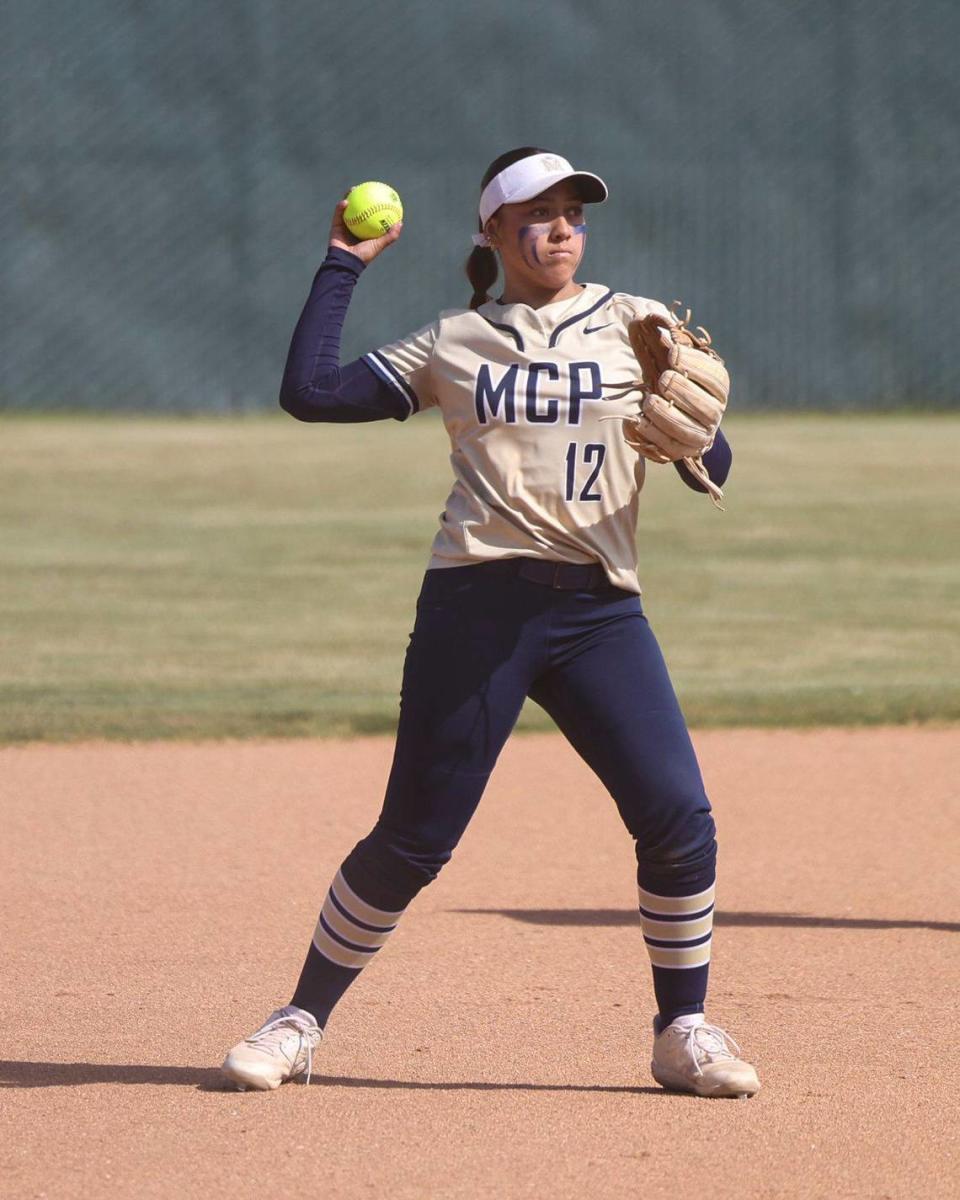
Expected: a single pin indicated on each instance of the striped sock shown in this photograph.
(349, 933)
(678, 931)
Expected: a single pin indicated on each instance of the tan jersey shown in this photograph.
(537, 470)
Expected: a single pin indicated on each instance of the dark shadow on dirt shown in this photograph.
(618, 916)
(209, 1079)
(477, 1086)
(52, 1074)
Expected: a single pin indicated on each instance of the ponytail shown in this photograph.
(481, 269)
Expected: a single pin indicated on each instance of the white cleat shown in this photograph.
(281, 1049)
(692, 1056)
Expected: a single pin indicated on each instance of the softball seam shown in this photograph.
(366, 213)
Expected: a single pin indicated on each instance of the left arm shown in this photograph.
(717, 460)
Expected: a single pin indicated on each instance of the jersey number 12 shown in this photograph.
(593, 455)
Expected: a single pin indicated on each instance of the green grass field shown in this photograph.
(221, 577)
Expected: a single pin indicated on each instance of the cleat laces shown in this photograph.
(709, 1044)
(273, 1035)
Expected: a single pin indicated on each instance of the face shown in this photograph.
(541, 241)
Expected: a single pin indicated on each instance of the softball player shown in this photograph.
(531, 590)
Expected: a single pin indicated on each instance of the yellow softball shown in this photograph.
(372, 208)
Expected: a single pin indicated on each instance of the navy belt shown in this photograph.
(569, 577)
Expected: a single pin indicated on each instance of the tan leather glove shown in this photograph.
(685, 388)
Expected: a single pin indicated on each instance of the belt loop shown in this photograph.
(557, 569)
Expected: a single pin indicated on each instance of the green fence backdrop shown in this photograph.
(790, 170)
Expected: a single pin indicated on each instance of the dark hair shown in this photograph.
(481, 266)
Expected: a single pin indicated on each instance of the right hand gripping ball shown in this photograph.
(372, 209)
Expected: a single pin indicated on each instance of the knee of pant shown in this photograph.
(398, 864)
(682, 876)
(688, 836)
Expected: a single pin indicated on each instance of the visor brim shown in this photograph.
(591, 187)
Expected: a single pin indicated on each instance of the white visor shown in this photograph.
(529, 177)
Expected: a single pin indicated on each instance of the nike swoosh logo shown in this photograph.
(597, 328)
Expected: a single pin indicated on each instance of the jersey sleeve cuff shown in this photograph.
(385, 369)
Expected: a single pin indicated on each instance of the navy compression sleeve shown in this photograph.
(315, 387)
(717, 460)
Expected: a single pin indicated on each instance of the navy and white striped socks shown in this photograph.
(678, 932)
(348, 935)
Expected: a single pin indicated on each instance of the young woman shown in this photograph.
(531, 590)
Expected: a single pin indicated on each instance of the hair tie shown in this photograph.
(481, 239)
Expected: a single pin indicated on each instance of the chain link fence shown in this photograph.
(790, 171)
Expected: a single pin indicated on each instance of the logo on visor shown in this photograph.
(549, 164)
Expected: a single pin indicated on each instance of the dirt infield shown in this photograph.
(158, 898)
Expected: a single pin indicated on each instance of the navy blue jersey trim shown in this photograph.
(505, 329)
(389, 374)
(579, 317)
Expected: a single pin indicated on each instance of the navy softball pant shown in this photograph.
(486, 637)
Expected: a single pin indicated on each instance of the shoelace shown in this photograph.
(274, 1030)
(710, 1041)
